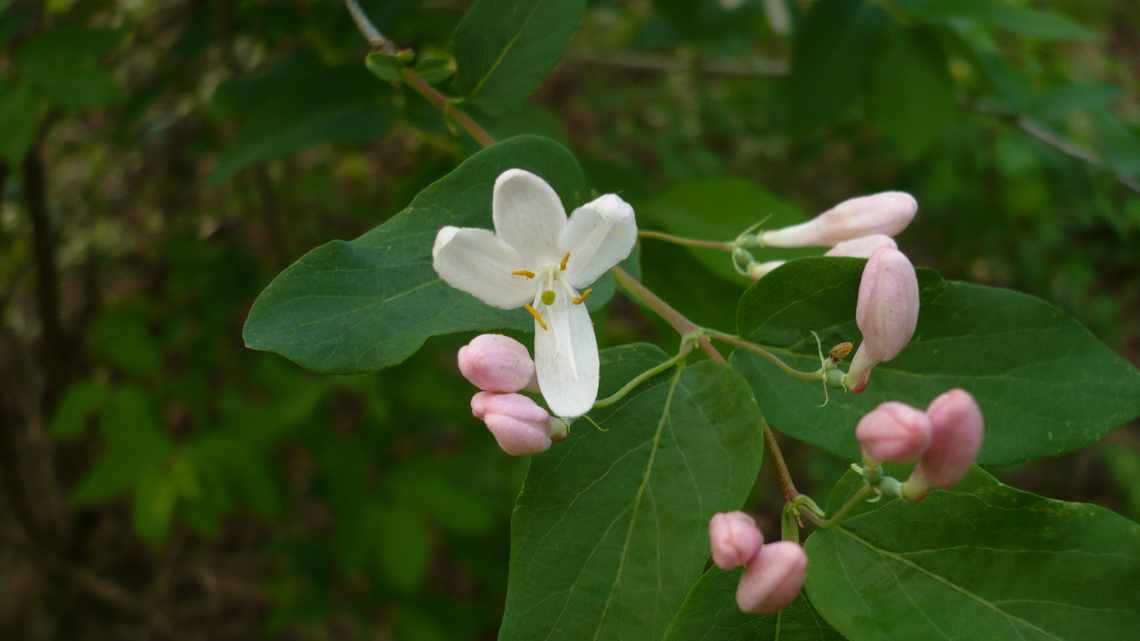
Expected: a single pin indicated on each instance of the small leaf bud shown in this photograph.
(734, 539)
(773, 579)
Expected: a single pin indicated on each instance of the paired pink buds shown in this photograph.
(775, 573)
(886, 213)
(501, 367)
(887, 313)
(945, 440)
(856, 248)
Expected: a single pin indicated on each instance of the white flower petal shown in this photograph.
(475, 261)
(600, 234)
(528, 215)
(566, 357)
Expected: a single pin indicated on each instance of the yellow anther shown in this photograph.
(537, 315)
(523, 272)
(581, 298)
(565, 259)
(548, 297)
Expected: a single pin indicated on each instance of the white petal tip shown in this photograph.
(442, 238)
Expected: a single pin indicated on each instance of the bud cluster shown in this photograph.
(944, 439)
(775, 571)
(501, 367)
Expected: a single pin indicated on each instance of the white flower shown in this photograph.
(539, 260)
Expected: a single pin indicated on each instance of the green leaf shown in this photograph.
(998, 14)
(911, 95)
(710, 613)
(402, 546)
(832, 51)
(505, 48)
(62, 65)
(385, 66)
(369, 303)
(20, 112)
(134, 446)
(612, 525)
(719, 209)
(981, 562)
(82, 401)
(120, 336)
(1045, 384)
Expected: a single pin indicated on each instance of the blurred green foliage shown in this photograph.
(162, 481)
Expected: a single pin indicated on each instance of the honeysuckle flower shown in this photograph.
(957, 431)
(886, 213)
(894, 433)
(733, 539)
(538, 260)
(862, 247)
(520, 426)
(773, 579)
(496, 363)
(886, 312)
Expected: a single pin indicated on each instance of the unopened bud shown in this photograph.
(957, 428)
(734, 539)
(886, 213)
(496, 363)
(774, 578)
(887, 313)
(519, 425)
(863, 247)
(894, 433)
(756, 271)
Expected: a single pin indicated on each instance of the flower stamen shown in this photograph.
(581, 298)
(526, 273)
(565, 260)
(536, 314)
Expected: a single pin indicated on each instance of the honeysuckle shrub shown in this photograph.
(648, 443)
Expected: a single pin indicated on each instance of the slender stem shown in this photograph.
(421, 86)
(782, 473)
(760, 351)
(688, 242)
(375, 38)
(642, 377)
(841, 513)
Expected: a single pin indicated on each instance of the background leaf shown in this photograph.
(612, 526)
(506, 47)
(998, 14)
(911, 95)
(1045, 384)
(982, 562)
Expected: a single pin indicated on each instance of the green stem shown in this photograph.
(769, 356)
(841, 513)
(688, 242)
(644, 376)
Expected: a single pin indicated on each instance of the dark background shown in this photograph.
(163, 160)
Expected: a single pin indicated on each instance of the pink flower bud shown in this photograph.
(756, 271)
(734, 539)
(894, 433)
(956, 436)
(774, 578)
(887, 313)
(496, 363)
(885, 213)
(862, 247)
(519, 425)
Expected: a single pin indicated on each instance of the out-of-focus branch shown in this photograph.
(747, 68)
(47, 273)
(375, 38)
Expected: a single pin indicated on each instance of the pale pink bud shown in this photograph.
(496, 363)
(956, 436)
(734, 539)
(773, 579)
(887, 313)
(756, 271)
(862, 247)
(519, 425)
(886, 213)
(894, 433)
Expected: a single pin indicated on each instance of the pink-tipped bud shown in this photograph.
(519, 425)
(956, 436)
(774, 578)
(863, 247)
(886, 213)
(894, 433)
(734, 539)
(496, 363)
(887, 313)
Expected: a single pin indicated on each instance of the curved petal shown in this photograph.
(475, 261)
(529, 216)
(566, 357)
(600, 234)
